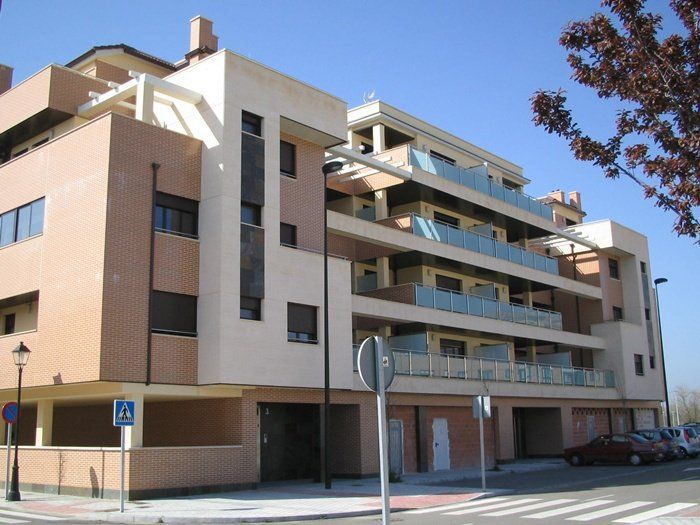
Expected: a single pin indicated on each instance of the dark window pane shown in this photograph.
(160, 218)
(250, 308)
(652, 361)
(176, 215)
(448, 283)
(617, 313)
(37, 223)
(301, 323)
(251, 124)
(252, 169)
(250, 214)
(442, 217)
(442, 157)
(7, 228)
(23, 220)
(174, 313)
(614, 269)
(9, 324)
(288, 234)
(252, 261)
(288, 159)
(638, 365)
(451, 347)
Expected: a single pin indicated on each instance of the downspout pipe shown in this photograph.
(149, 345)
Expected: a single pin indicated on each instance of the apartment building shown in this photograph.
(161, 234)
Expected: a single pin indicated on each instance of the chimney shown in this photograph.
(203, 42)
(575, 199)
(5, 78)
(557, 195)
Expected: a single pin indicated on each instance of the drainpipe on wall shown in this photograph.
(154, 168)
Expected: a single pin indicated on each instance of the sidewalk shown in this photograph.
(277, 502)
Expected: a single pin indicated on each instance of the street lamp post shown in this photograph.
(657, 282)
(20, 355)
(328, 168)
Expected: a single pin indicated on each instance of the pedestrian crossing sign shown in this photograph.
(124, 414)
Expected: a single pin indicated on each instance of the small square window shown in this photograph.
(9, 324)
(647, 314)
(617, 313)
(443, 217)
(250, 214)
(638, 365)
(643, 266)
(652, 361)
(301, 323)
(288, 234)
(288, 159)
(251, 124)
(614, 269)
(250, 308)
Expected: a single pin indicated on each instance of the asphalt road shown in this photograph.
(595, 495)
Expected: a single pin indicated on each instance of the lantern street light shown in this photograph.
(20, 355)
(328, 168)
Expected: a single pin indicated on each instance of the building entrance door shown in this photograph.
(289, 441)
(441, 444)
(396, 446)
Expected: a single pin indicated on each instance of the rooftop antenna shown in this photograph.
(368, 97)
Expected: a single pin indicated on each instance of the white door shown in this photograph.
(441, 444)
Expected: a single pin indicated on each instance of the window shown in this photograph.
(21, 223)
(174, 313)
(451, 347)
(647, 314)
(250, 308)
(617, 313)
(638, 365)
(288, 159)
(569, 222)
(250, 214)
(448, 283)
(9, 324)
(652, 361)
(454, 221)
(251, 124)
(614, 269)
(643, 266)
(366, 148)
(288, 234)
(176, 215)
(444, 158)
(301, 323)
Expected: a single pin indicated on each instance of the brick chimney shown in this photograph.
(575, 199)
(557, 195)
(203, 42)
(5, 78)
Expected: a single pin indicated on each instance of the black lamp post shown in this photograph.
(20, 355)
(657, 282)
(328, 168)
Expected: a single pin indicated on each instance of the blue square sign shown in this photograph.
(124, 414)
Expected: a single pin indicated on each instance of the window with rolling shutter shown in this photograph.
(301, 323)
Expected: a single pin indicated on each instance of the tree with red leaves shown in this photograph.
(657, 83)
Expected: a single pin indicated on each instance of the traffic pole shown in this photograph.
(481, 442)
(7, 468)
(121, 481)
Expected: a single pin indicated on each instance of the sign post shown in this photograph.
(481, 408)
(375, 363)
(124, 416)
(9, 414)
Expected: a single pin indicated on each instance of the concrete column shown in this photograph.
(531, 353)
(383, 272)
(385, 332)
(506, 438)
(144, 102)
(133, 437)
(567, 427)
(354, 140)
(381, 205)
(44, 423)
(527, 298)
(378, 138)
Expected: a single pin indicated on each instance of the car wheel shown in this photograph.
(635, 459)
(576, 460)
(682, 453)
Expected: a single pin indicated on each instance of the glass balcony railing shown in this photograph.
(448, 234)
(458, 302)
(477, 179)
(422, 364)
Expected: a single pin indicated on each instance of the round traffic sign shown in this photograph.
(10, 412)
(367, 362)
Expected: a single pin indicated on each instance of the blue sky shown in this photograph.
(468, 67)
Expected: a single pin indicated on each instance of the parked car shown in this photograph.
(671, 449)
(615, 448)
(687, 440)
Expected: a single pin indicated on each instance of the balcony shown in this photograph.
(424, 364)
(458, 302)
(468, 240)
(477, 179)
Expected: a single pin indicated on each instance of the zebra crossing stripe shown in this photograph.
(612, 510)
(526, 508)
(491, 507)
(453, 506)
(29, 515)
(6, 520)
(661, 511)
(569, 509)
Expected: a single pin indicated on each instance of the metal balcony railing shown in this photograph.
(422, 364)
(477, 179)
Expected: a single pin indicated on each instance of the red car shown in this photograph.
(615, 448)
